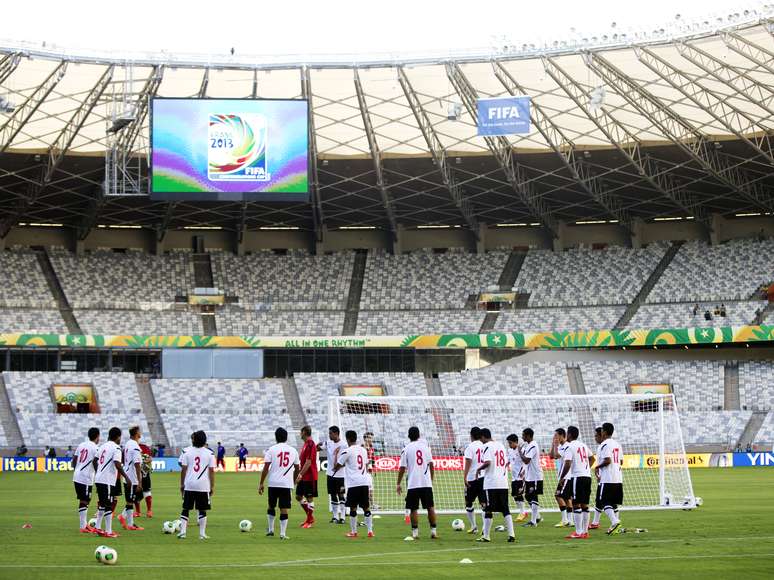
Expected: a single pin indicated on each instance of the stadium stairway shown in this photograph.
(585, 416)
(57, 292)
(764, 315)
(506, 281)
(654, 277)
(203, 279)
(441, 416)
(8, 418)
(575, 377)
(731, 386)
(355, 291)
(293, 404)
(158, 432)
(434, 388)
(751, 430)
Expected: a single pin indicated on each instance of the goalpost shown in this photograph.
(647, 426)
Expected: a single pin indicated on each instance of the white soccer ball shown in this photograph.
(699, 501)
(168, 527)
(99, 552)
(245, 526)
(109, 556)
(458, 525)
(93, 522)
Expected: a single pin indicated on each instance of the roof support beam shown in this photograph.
(565, 149)
(503, 152)
(744, 127)
(202, 94)
(8, 64)
(438, 152)
(682, 133)
(58, 149)
(376, 156)
(314, 181)
(629, 146)
(242, 226)
(753, 52)
(736, 79)
(16, 120)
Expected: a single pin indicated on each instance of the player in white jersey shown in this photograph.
(354, 461)
(281, 466)
(133, 487)
(197, 483)
(610, 476)
(109, 468)
(83, 477)
(474, 485)
(333, 447)
(558, 453)
(533, 475)
(577, 470)
(597, 500)
(416, 461)
(495, 471)
(517, 475)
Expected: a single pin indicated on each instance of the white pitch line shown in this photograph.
(333, 560)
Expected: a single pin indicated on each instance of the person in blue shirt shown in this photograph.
(221, 456)
(242, 455)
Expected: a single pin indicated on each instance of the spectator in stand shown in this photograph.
(69, 452)
(695, 309)
(723, 310)
(51, 453)
(749, 448)
(21, 450)
(707, 315)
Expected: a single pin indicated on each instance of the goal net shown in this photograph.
(647, 426)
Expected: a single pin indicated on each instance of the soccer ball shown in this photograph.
(699, 501)
(168, 527)
(458, 525)
(93, 522)
(245, 526)
(109, 556)
(99, 552)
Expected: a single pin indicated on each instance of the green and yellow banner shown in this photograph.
(653, 337)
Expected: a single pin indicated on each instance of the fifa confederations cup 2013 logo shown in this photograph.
(237, 147)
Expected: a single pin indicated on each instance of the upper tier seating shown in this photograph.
(296, 281)
(426, 280)
(756, 385)
(703, 273)
(406, 322)
(31, 321)
(106, 279)
(559, 319)
(582, 276)
(233, 321)
(681, 315)
(148, 322)
(24, 284)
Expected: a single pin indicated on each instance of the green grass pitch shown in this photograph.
(732, 534)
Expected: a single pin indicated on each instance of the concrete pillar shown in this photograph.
(481, 241)
(397, 243)
(560, 239)
(638, 227)
(718, 225)
(158, 245)
(80, 246)
(2, 243)
(319, 245)
(240, 246)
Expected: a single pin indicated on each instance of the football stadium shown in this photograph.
(423, 290)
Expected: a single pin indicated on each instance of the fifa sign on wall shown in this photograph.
(503, 116)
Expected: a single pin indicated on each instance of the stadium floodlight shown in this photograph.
(6, 106)
(647, 426)
(122, 120)
(454, 111)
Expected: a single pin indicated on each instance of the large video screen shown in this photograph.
(229, 150)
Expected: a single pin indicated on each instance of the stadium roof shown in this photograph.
(625, 129)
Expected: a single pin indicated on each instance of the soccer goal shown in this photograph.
(647, 427)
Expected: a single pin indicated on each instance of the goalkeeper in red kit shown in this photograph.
(306, 482)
